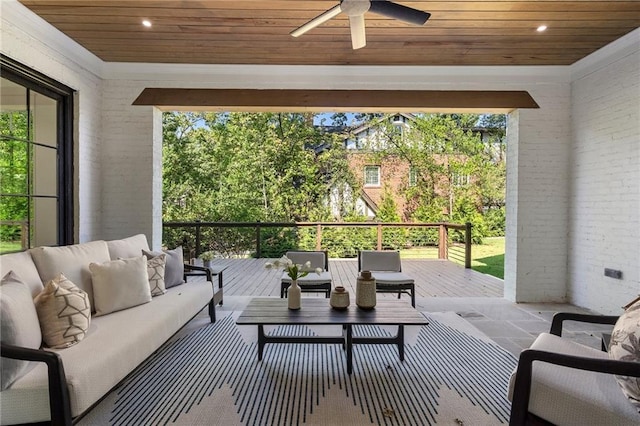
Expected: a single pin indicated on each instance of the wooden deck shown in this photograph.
(434, 278)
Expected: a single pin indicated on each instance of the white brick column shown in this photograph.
(132, 165)
(538, 146)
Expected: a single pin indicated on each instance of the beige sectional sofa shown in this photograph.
(114, 344)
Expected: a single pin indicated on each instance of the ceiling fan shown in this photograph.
(356, 9)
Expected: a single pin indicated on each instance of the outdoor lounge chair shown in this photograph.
(566, 383)
(386, 268)
(312, 283)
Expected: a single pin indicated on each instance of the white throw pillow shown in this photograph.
(120, 284)
(19, 325)
(625, 346)
(64, 313)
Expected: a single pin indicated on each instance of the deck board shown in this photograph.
(433, 278)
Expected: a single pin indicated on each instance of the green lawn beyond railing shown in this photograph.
(487, 257)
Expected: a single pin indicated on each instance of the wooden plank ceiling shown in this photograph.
(459, 32)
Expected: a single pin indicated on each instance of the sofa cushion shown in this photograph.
(625, 346)
(19, 324)
(64, 313)
(22, 264)
(127, 247)
(155, 269)
(120, 284)
(569, 396)
(73, 261)
(174, 269)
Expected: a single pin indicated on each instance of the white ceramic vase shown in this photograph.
(293, 295)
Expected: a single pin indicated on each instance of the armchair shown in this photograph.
(386, 268)
(565, 383)
(312, 283)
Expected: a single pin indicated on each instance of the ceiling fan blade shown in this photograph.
(358, 37)
(398, 11)
(320, 19)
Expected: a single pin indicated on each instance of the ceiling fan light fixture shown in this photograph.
(541, 28)
(146, 23)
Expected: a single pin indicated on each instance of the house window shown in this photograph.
(35, 159)
(372, 176)
(413, 176)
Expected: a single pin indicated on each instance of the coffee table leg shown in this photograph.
(401, 342)
(261, 341)
(349, 342)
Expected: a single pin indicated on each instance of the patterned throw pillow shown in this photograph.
(64, 313)
(625, 346)
(155, 267)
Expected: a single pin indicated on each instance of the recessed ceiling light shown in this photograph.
(541, 28)
(146, 23)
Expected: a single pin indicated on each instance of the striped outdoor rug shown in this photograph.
(452, 375)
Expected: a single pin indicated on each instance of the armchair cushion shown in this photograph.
(569, 396)
(625, 346)
(20, 326)
(312, 278)
(64, 313)
(391, 278)
(371, 260)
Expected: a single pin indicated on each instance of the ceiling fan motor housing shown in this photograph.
(355, 7)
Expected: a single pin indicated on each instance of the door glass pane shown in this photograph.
(44, 224)
(13, 224)
(45, 170)
(13, 167)
(13, 110)
(44, 118)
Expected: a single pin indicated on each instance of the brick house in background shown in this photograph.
(377, 175)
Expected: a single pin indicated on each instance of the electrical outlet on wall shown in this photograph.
(613, 273)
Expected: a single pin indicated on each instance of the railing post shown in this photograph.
(467, 245)
(198, 239)
(258, 245)
(379, 236)
(318, 237)
(443, 240)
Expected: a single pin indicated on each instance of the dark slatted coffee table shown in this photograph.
(316, 311)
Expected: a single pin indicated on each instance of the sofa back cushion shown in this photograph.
(127, 247)
(22, 264)
(19, 324)
(625, 346)
(120, 284)
(73, 261)
(64, 313)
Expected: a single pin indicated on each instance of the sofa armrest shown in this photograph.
(59, 403)
(522, 386)
(194, 270)
(560, 317)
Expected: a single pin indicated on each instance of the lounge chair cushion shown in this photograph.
(391, 278)
(313, 278)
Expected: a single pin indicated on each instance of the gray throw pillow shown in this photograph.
(20, 326)
(174, 267)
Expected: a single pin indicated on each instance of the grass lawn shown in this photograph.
(487, 258)
(9, 246)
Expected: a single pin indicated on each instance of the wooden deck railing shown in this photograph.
(197, 237)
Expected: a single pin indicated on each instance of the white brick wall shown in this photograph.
(605, 199)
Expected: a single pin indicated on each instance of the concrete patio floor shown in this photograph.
(441, 286)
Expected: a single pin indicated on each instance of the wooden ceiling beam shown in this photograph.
(252, 100)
